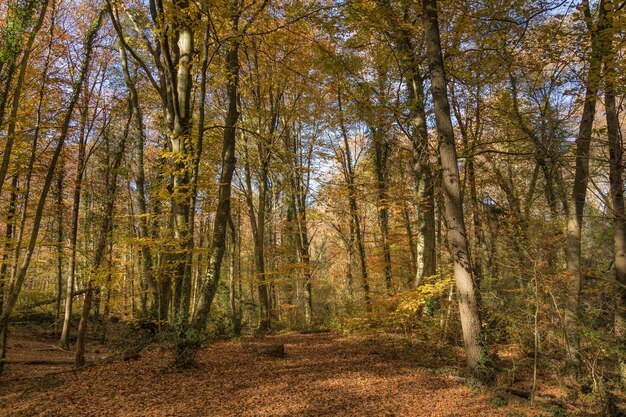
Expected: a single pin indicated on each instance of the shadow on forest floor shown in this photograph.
(321, 374)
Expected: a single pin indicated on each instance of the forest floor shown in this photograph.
(321, 374)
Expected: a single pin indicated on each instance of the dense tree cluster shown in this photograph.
(233, 165)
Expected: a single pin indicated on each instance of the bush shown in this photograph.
(187, 343)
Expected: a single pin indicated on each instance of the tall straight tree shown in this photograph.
(573, 250)
(410, 63)
(468, 293)
(348, 166)
(616, 179)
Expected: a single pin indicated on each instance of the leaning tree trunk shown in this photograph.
(17, 91)
(218, 243)
(469, 308)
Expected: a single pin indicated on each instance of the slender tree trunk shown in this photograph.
(234, 299)
(107, 296)
(408, 225)
(71, 277)
(81, 337)
(469, 308)
(616, 178)
(218, 241)
(60, 177)
(140, 183)
(4, 267)
(381, 155)
(259, 251)
(354, 211)
(305, 256)
(100, 250)
(573, 251)
(349, 254)
(257, 217)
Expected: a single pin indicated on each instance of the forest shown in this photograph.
(312, 207)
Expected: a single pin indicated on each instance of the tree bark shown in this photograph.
(381, 156)
(616, 179)
(573, 251)
(418, 135)
(469, 308)
(348, 169)
(60, 177)
(218, 240)
(71, 277)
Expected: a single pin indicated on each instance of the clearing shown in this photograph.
(321, 374)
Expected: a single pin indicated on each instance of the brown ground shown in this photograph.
(322, 374)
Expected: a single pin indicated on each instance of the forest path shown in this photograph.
(321, 374)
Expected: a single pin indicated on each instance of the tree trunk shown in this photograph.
(17, 91)
(348, 169)
(104, 238)
(218, 240)
(573, 251)
(469, 308)
(60, 176)
(424, 182)
(4, 267)
(234, 299)
(420, 156)
(71, 277)
(381, 156)
(616, 179)
(140, 184)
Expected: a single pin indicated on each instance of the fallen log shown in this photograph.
(51, 300)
